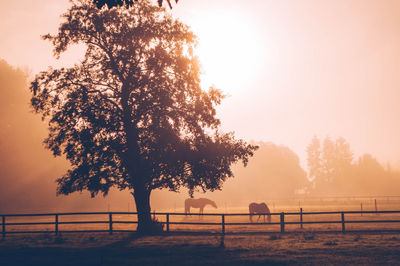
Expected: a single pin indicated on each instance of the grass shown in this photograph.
(59, 239)
(309, 236)
(330, 243)
(300, 246)
(176, 249)
(275, 237)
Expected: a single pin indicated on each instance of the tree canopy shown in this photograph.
(126, 3)
(329, 163)
(132, 113)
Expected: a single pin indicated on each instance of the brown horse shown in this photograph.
(198, 203)
(260, 209)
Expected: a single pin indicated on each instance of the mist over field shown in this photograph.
(213, 132)
(28, 171)
(324, 81)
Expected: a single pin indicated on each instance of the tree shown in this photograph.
(314, 158)
(274, 172)
(344, 156)
(372, 175)
(330, 166)
(328, 159)
(127, 3)
(132, 113)
(13, 110)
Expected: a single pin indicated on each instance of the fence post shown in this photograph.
(4, 226)
(343, 226)
(223, 224)
(376, 206)
(282, 222)
(167, 222)
(56, 224)
(361, 210)
(301, 218)
(110, 229)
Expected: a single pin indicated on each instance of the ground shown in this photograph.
(309, 248)
(193, 244)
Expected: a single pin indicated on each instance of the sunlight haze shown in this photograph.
(230, 48)
(199, 132)
(325, 68)
(291, 70)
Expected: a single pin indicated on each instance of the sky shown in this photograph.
(291, 69)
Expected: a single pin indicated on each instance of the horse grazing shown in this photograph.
(198, 203)
(260, 209)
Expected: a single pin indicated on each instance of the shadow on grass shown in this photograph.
(122, 252)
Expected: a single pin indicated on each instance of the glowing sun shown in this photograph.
(229, 50)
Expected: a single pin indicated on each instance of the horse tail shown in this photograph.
(268, 213)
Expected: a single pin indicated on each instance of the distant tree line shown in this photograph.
(27, 171)
(333, 170)
(274, 172)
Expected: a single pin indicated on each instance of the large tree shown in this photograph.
(126, 3)
(132, 113)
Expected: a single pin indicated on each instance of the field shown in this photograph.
(291, 208)
(258, 244)
(258, 249)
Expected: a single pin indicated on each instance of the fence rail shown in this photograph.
(223, 223)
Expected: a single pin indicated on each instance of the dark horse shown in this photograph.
(260, 209)
(198, 203)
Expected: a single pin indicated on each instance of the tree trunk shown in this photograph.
(145, 224)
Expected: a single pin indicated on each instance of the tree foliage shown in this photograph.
(335, 171)
(132, 113)
(328, 162)
(126, 3)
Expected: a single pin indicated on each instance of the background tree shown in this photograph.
(314, 159)
(274, 172)
(371, 175)
(27, 171)
(13, 103)
(342, 164)
(328, 159)
(330, 167)
(132, 113)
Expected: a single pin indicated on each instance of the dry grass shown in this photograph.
(244, 246)
(254, 249)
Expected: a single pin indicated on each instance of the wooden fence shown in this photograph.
(222, 224)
